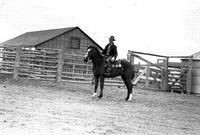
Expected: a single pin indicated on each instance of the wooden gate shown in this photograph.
(163, 74)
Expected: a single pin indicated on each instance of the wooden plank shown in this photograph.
(140, 76)
(147, 76)
(74, 74)
(132, 59)
(76, 78)
(16, 65)
(174, 77)
(6, 57)
(196, 64)
(36, 65)
(36, 70)
(33, 71)
(196, 80)
(8, 52)
(195, 89)
(8, 62)
(139, 57)
(165, 81)
(34, 56)
(89, 82)
(70, 63)
(71, 55)
(158, 55)
(43, 50)
(6, 68)
(162, 85)
(195, 71)
(6, 72)
(189, 76)
(38, 60)
(181, 57)
(36, 75)
(155, 70)
(146, 54)
(59, 66)
(41, 79)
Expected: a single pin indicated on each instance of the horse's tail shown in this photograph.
(133, 75)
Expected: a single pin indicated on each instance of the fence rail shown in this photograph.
(166, 75)
(47, 64)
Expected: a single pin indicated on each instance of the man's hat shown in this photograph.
(112, 37)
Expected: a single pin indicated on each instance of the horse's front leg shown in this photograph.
(96, 78)
(101, 87)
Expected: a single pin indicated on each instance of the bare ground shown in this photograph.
(48, 108)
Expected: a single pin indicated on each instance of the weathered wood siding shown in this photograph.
(64, 42)
(196, 77)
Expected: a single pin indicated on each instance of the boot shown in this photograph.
(107, 68)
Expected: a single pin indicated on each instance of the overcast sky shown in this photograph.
(167, 27)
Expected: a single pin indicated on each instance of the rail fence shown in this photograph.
(55, 65)
(47, 64)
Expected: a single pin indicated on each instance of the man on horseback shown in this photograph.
(110, 53)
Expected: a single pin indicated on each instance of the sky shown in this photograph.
(165, 27)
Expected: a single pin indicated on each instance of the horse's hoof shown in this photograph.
(128, 99)
(94, 95)
(100, 96)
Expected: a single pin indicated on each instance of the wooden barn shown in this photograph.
(55, 54)
(70, 40)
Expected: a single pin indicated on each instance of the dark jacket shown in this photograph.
(113, 51)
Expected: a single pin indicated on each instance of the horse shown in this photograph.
(126, 71)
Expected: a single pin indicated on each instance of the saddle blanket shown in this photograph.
(116, 65)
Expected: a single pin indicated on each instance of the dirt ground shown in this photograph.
(48, 108)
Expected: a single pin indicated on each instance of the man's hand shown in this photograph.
(113, 59)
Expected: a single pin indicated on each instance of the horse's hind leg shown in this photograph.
(128, 84)
(101, 86)
(96, 86)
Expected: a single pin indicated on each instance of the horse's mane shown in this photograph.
(95, 48)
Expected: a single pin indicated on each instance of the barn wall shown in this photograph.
(196, 76)
(64, 42)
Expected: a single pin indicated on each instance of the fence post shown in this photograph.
(16, 64)
(59, 66)
(189, 76)
(166, 74)
(147, 76)
(162, 79)
(130, 58)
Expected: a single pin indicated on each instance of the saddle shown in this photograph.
(108, 66)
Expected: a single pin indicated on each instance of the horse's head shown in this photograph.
(91, 53)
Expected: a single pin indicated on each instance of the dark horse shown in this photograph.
(126, 71)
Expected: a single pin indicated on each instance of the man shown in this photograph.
(110, 52)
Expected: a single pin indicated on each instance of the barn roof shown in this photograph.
(196, 56)
(32, 39)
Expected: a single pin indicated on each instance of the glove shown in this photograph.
(113, 59)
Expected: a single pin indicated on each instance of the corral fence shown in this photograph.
(168, 73)
(56, 65)
(47, 64)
